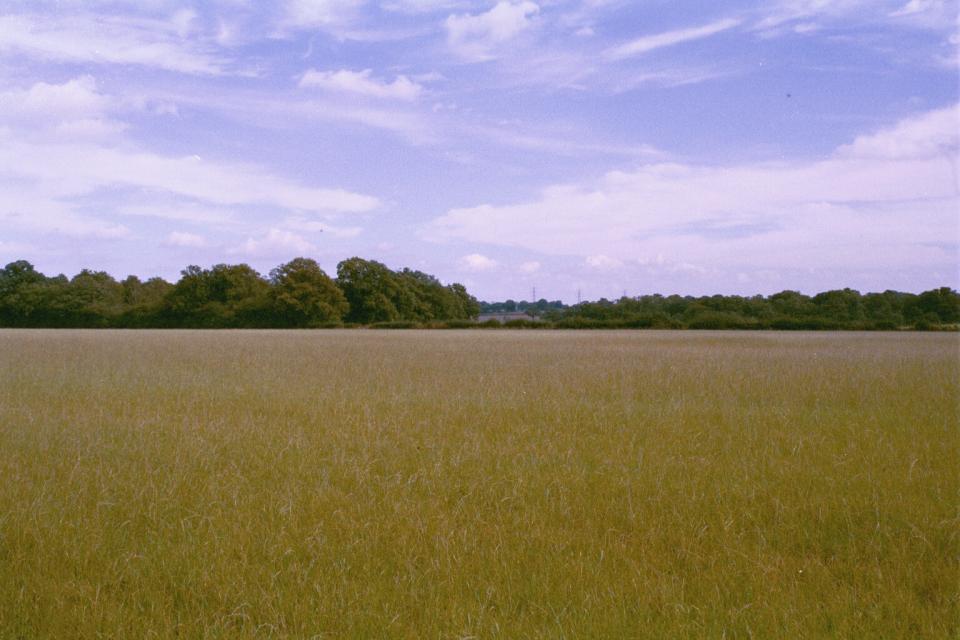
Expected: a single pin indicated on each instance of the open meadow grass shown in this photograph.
(445, 484)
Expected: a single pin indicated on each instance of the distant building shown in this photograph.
(506, 316)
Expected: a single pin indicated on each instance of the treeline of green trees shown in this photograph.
(296, 294)
(364, 292)
(837, 309)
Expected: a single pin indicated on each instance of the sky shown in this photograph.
(589, 148)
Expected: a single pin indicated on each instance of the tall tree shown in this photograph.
(21, 292)
(223, 296)
(303, 295)
(371, 290)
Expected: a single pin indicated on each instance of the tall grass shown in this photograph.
(475, 484)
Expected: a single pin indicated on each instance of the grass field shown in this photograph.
(443, 484)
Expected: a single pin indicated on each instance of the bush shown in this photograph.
(885, 325)
(720, 320)
(582, 323)
(804, 324)
(396, 324)
(520, 323)
(456, 324)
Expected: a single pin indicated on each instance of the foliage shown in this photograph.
(303, 295)
(223, 296)
(376, 294)
(297, 294)
(787, 310)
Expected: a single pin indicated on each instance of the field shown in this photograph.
(445, 484)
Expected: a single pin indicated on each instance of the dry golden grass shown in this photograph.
(478, 484)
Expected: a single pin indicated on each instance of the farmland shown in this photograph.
(453, 484)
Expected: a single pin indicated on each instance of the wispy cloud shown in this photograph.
(276, 242)
(46, 181)
(478, 37)
(185, 239)
(223, 183)
(560, 143)
(669, 38)
(73, 109)
(602, 262)
(421, 6)
(160, 44)
(938, 15)
(893, 191)
(318, 14)
(362, 83)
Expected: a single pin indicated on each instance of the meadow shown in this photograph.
(508, 484)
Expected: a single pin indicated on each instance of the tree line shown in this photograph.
(298, 294)
(836, 309)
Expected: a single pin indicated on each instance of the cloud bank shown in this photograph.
(892, 196)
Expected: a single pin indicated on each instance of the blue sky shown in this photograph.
(600, 146)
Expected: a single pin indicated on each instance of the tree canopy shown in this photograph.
(298, 294)
(835, 309)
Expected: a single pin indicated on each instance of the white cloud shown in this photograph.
(362, 83)
(937, 15)
(336, 231)
(894, 193)
(782, 11)
(75, 99)
(476, 37)
(669, 38)
(926, 135)
(556, 142)
(74, 109)
(185, 239)
(108, 40)
(478, 262)
(915, 6)
(178, 209)
(33, 210)
(933, 14)
(53, 173)
(529, 267)
(319, 14)
(288, 113)
(73, 169)
(275, 242)
(602, 262)
(420, 6)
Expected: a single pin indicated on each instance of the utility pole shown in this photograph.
(534, 299)
(578, 296)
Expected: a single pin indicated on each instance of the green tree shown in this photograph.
(942, 303)
(840, 305)
(92, 299)
(223, 296)
(370, 288)
(21, 294)
(467, 306)
(303, 295)
(143, 301)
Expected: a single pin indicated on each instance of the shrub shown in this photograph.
(395, 324)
